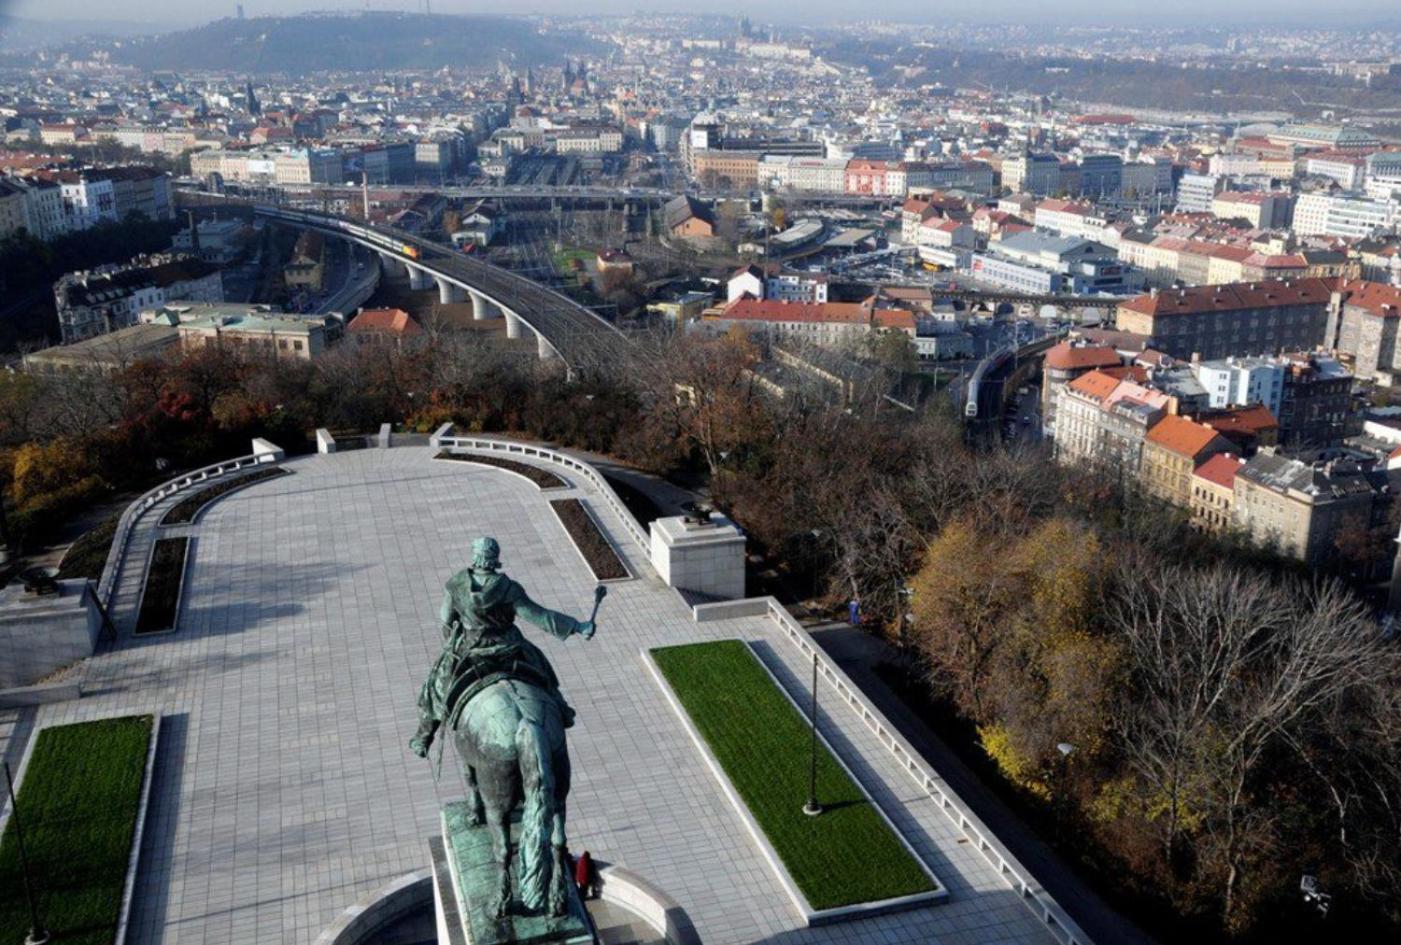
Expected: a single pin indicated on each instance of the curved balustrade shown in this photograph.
(117, 553)
(445, 440)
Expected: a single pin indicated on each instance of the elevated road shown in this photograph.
(562, 327)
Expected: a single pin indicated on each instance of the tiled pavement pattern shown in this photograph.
(284, 789)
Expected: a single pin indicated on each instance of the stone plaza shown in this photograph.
(284, 789)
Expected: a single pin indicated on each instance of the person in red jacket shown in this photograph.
(584, 876)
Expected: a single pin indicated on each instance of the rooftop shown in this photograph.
(1181, 436)
(1231, 297)
(1220, 469)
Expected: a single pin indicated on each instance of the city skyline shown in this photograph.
(168, 14)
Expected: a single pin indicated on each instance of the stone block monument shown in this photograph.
(701, 552)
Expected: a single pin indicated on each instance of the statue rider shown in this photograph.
(482, 644)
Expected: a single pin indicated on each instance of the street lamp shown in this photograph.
(1057, 800)
(812, 808)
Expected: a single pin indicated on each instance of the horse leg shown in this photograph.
(476, 810)
(559, 882)
(538, 795)
(499, 823)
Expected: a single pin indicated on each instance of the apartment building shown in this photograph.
(1102, 421)
(1346, 170)
(1237, 382)
(589, 140)
(1300, 509)
(1212, 501)
(1223, 320)
(44, 213)
(1173, 448)
(802, 174)
(95, 302)
(14, 211)
(831, 324)
(1030, 173)
(734, 169)
(87, 201)
(1261, 209)
(1195, 192)
(1063, 364)
(1315, 403)
(1362, 323)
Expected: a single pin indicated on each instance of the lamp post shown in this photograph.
(37, 934)
(812, 808)
(1066, 750)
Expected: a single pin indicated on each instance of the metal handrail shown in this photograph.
(1042, 904)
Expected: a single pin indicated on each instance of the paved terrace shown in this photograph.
(284, 789)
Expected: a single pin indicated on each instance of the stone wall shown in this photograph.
(39, 635)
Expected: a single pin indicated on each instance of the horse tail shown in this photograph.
(538, 786)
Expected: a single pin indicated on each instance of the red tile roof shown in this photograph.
(1235, 296)
(1252, 420)
(777, 310)
(1220, 469)
(1068, 357)
(1384, 301)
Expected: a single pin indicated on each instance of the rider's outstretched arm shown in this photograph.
(551, 621)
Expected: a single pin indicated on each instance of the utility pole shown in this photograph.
(37, 933)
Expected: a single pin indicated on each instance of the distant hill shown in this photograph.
(18, 33)
(353, 42)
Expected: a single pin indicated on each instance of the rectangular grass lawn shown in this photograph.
(845, 856)
(79, 802)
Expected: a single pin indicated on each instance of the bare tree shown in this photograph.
(1227, 666)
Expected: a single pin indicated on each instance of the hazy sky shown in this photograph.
(185, 12)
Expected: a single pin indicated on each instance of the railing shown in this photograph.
(1041, 903)
(443, 439)
(117, 553)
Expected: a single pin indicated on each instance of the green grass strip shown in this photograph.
(845, 856)
(79, 802)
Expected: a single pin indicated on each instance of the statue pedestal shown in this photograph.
(464, 887)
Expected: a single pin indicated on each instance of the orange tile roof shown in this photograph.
(393, 320)
(1181, 436)
(1096, 385)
